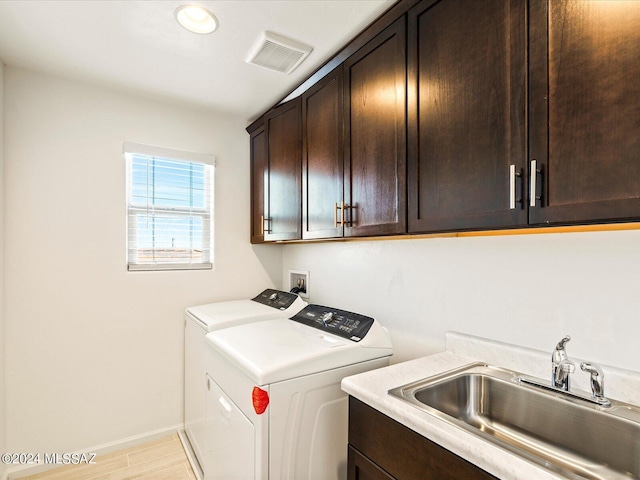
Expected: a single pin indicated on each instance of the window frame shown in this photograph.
(133, 211)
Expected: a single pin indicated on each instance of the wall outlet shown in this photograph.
(299, 279)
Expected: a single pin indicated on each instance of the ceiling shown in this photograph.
(137, 46)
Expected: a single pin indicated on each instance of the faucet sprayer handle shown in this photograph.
(593, 369)
(597, 378)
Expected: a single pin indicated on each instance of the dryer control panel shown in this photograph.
(349, 325)
(276, 299)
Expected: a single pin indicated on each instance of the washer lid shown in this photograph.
(218, 315)
(281, 349)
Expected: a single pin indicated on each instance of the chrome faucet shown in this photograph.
(597, 381)
(561, 366)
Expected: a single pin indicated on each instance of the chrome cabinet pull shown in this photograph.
(532, 185)
(512, 187)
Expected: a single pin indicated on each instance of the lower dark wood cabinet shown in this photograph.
(381, 448)
(361, 468)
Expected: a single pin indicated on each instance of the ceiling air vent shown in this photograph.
(278, 53)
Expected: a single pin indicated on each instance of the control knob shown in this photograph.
(326, 318)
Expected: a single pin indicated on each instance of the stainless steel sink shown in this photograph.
(563, 433)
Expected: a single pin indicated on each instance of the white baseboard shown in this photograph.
(26, 470)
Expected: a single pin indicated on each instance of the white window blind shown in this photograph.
(169, 209)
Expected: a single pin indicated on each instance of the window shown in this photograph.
(169, 209)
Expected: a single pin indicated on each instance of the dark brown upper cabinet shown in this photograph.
(510, 114)
(466, 115)
(354, 143)
(282, 189)
(375, 136)
(322, 158)
(258, 145)
(584, 111)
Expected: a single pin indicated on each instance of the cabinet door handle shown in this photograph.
(533, 183)
(345, 222)
(340, 222)
(342, 209)
(512, 187)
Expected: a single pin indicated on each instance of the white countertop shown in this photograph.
(372, 387)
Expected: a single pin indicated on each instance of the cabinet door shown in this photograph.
(258, 142)
(467, 131)
(283, 201)
(322, 161)
(401, 452)
(360, 467)
(375, 147)
(585, 110)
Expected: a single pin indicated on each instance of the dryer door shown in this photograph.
(230, 447)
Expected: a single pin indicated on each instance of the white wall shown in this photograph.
(2, 334)
(94, 353)
(528, 290)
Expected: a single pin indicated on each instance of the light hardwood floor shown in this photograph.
(162, 459)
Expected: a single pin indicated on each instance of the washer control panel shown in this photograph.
(276, 299)
(349, 325)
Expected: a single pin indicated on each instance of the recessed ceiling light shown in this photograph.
(196, 19)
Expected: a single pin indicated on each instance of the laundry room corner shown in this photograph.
(270, 258)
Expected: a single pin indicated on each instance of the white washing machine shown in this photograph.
(203, 319)
(275, 409)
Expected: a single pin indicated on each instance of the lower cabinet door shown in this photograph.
(399, 452)
(360, 467)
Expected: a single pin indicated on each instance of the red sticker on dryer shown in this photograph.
(260, 400)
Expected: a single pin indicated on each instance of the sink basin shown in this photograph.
(567, 435)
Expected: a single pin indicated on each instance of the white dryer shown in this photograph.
(275, 409)
(202, 319)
